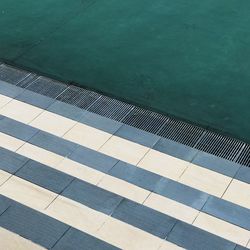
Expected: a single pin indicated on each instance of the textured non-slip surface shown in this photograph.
(78, 180)
(185, 58)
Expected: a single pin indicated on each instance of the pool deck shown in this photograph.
(187, 59)
(73, 179)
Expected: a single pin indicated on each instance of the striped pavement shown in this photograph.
(71, 179)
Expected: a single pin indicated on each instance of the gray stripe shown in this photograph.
(16, 129)
(35, 99)
(32, 225)
(194, 238)
(44, 176)
(138, 136)
(144, 218)
(175, 149)
(107, 202)
(170, 128)
(216, 164)
(44, 230)
(228, 211)
(10, 161)
(163, 186)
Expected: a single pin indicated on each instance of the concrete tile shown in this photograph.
(33, 225)
(87, 136)
(4, 100)
(9, 90)
(137, 135)
(41, 155)
(4, 202)
(75, 239)
(241, 248)
(76, 215)
(11, 241)
(145, 218)
(93, 159)
(175, 149)
(170, 246)
(66, 110)
(216, 164)
(205, 180)
(44, 176)
(53, 143)
(238, 192)
(135, 175)
(228, 211)
(92, 196)
(11, 161)
(9, 142)
(124, 189)
(163, 164)
(16, 129)
(20, 111)
(4, 176)
(53, 123)
(100, 122)
(27, 193)
(181, 193)
(190, 237)
(124, 150)
(172, 208)
(35, 99)
(125, 236)
(243, 174)
(80, 171)
(223, 229)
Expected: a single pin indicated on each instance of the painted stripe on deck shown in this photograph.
(190, 175)
(68, 211)
(190, 217)
(12, 241)
(17, 189)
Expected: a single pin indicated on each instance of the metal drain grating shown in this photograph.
(244, 157)
(181, 132)
(79, 97)
(47, 87)
(145, 120)
(111, 108)
(12, 75)
(27, 81)
(219, 145)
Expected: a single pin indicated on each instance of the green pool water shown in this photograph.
(189, 59)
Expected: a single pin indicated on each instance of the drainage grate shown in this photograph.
(145, 120)
(79, 97)
(111, 108)
(12, 75)
(219, 145)
(27, 81)
(244, 157)
(47, 87)
(181, 132)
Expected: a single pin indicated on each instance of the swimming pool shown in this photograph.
(185, 59)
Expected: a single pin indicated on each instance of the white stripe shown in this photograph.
(12, 241)
(113, 186)
(4, 100)
(39, 198)
(198, 177)
(194, 176)
(92, 222)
